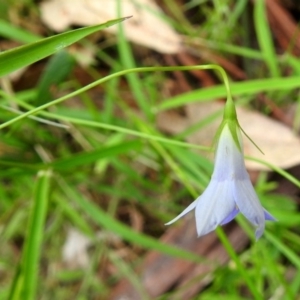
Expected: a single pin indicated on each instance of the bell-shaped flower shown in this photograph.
(230, 190)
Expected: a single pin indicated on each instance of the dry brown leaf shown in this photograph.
(146, 27)
(278, 142)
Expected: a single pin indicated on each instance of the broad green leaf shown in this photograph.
(16, 58)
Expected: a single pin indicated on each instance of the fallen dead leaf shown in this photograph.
(75, 250)
(147, 26)
(283, 26)
(160, 273)
(278, 142)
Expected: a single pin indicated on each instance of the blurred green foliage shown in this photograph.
(93, 159)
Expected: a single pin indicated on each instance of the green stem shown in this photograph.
(276, 169)
(121, 73)
(226, 81)
(112, 128)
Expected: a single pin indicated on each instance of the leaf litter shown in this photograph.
(147, 27)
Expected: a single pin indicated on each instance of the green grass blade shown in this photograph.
(32, 247)
(238, 50)
(16, 285)
(58, 68)
(92, 156)
(284, 249)
(127, 60)
(264, 37)
(231, 252)
(11, 32)
(16, 58)
(249, 87)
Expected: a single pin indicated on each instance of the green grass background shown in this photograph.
(64, 166)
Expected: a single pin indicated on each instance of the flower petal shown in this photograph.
(231, 216)
(249, 205)
(229, 160)
(214, 206)
(186, 211)
(268, 216)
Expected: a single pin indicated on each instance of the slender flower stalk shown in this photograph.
(230, 190)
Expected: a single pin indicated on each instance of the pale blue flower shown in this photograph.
(230, 190)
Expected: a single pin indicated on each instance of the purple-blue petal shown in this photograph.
(249, 205)
(259, 232)
(268, 216)
(231, 216)
(230, 190)
(229, 159)
(214, 205)
(186, 211)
